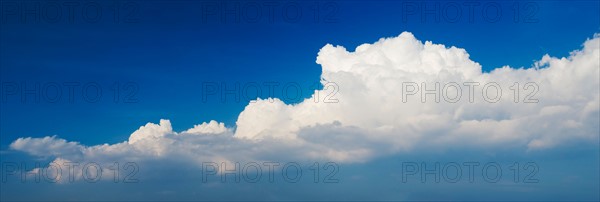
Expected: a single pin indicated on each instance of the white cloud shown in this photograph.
(47, 146)
(151, 130)
(211, 127)
(370, 118)
(370, 94)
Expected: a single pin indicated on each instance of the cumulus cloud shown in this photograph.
(375, 115)
(48, 146)
(564, 92)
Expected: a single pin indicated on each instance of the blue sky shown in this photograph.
(172, 40)
(168, 51)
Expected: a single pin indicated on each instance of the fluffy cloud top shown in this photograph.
(371, 78)
(371, 119)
